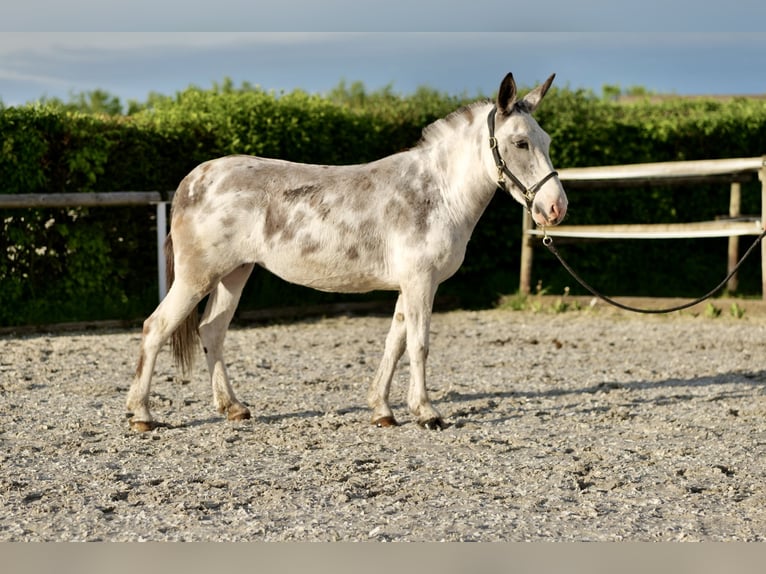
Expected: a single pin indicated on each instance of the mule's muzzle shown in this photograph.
(551, 212)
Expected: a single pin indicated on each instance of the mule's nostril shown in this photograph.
(553, 213)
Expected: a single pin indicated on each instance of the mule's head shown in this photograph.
(520, 153)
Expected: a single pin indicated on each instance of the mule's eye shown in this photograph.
(521, 144)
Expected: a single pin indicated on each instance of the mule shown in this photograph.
(400, 223)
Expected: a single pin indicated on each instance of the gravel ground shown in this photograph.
(579, 425)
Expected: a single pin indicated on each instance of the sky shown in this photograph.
(50, 48)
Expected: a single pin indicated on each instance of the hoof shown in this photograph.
(433, 424)
(238, 413)
(388, 421)
(143, 426)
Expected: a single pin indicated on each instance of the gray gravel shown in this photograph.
(583, 425)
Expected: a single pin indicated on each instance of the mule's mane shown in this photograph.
(463, 115)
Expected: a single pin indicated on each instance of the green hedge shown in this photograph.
(100, 263)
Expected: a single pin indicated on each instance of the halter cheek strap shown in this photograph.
(503, 171)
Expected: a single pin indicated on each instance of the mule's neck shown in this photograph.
(458, 147)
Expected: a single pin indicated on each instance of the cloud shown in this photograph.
(15, 76)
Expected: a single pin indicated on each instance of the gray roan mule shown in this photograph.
(400, 223)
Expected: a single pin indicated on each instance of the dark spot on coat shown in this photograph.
(228, 221)
(293, 225)
(368, 228)
(309, 246)
(396, 213)
(363, 183)
(323, 210)
(181, 199)
(140, 365)
(274, 220)
(367, 241)
(304, 192)
(311, 195)
(411, 210)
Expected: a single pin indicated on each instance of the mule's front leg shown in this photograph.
(377, 397)
(417, 311)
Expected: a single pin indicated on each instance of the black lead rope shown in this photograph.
(548, 242)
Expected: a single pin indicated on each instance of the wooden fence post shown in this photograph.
(162, 231)
(735, 202)
(525, 277)
(762, 177)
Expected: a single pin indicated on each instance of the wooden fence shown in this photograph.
(731, 171)
(106, 199)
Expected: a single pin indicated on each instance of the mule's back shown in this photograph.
(332, 228)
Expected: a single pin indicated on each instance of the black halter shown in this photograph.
(502, 169)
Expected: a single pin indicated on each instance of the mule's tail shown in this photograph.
(185, 338)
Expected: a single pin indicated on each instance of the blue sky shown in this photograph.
(385, 15)
(675, 46)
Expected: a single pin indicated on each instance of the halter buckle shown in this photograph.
(500, 175)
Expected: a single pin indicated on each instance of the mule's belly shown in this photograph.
(335, 277)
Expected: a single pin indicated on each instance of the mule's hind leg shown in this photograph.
(377, 397)
(180, 301)
(218, 314)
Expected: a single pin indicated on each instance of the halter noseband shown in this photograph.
(502, 169)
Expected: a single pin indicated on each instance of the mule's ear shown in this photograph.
(533, 98)
(506, 95)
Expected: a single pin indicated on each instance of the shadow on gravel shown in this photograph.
(279, 417)
(262, 418)
(489, 401)
(711, 383)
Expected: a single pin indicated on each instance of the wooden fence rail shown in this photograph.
(106, 199)
(732, 171)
